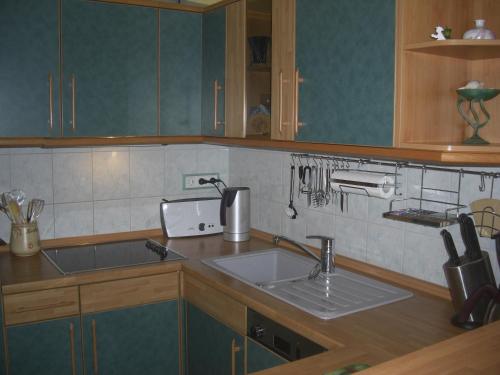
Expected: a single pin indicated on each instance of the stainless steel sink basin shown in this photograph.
(284, 275)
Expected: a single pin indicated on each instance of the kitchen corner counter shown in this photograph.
(399, 338)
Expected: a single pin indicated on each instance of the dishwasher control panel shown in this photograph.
(281, 340)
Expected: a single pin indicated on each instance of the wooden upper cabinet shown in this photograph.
(429, 72)
(109, 69)
(29, 75)
(345, 55)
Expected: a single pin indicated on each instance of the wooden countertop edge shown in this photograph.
(435, 156)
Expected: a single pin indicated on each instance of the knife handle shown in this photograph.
(475, 247)
(450, 248)
(462, 221)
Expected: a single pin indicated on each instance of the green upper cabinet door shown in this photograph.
(180, 73)
(29, 75)
(110, 69)
(345, 53)
(48, 348)
(210, 346)
(260, 358)
(139, 340)
(213, 72)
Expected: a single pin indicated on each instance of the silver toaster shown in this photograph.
(190, 217)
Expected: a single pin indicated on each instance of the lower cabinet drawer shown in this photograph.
(41, 305)
(129, 292)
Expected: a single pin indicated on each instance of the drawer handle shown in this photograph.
(72, 348)
(234, 349)
(94, 348)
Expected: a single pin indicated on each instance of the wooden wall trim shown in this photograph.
(371, 270)
(435, 155)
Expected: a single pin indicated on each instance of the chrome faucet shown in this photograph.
(327, 253)
(327, 259)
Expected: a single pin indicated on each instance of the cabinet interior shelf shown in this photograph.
(459, 48)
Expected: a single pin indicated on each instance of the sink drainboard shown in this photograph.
(283, 275)
(340, 294)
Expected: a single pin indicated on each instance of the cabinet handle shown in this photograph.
(217, 88)
(73, 102)
(94, 349)
(280, 110)
(234, 349)
(51, 102)
(72, 348)
(298, 80)
(280, 93)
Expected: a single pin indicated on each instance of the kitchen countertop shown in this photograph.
(384, 334)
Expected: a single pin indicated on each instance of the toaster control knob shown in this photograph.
(201, 227)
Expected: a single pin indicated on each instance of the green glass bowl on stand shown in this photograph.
(475, 98)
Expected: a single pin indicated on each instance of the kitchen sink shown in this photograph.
(263, 267)
(285, 275)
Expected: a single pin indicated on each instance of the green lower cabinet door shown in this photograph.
(345, 53)
(138, 340)
(48, 348)
(210, 346)
(260, 358)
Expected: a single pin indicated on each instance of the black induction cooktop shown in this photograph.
(70, 260)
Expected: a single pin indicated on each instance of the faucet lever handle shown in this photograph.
(329, 240)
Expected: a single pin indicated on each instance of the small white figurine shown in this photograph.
(438, 35)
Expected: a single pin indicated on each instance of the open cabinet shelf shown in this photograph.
(459, 48)
(430, 71)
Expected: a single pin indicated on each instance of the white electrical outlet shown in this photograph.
(191, 181)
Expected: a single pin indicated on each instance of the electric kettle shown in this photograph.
(235, 214)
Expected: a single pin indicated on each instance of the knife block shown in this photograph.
(463, 281)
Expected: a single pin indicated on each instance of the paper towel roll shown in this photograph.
(375, 184)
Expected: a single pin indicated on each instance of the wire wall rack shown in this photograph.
(417, 209)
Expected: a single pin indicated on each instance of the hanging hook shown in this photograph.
(492, 185)
(482, 185)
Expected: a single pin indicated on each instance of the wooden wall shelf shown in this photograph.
(432, 153)
(459, 48)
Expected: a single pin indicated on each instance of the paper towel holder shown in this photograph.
(345, 186)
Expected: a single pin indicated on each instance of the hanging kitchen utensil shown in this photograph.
(290, 211)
